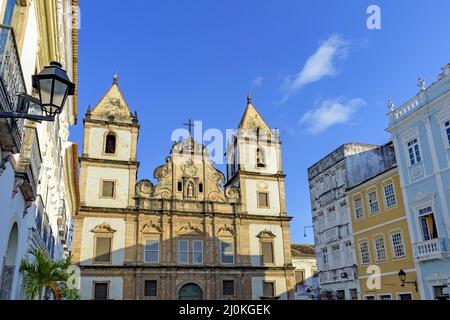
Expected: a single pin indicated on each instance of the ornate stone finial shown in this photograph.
(421, 84)
(88, 111)
(116, 78)
(135, 114)
(249, 98)
(390, 105)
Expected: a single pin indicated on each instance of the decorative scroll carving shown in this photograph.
(266, 234)
(103, 228)
(144, 189)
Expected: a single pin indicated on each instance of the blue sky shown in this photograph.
(315, 71)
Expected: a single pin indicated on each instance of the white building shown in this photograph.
(38, 165)
(305, 264)
(329, 179)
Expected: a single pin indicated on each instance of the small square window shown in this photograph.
(263, 200)
(228, 287)
(150, 288)
(108, 189)
(100, 291)
(268, 289)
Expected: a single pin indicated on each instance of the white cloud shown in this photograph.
(257, 82)
(330, 112)
(320, 64)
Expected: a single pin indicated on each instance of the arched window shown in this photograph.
(260, 160)
(110, 145)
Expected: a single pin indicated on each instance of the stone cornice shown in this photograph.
(175, 267)
(279, 175)
(119, 162)
(134, 124)
(89, 211)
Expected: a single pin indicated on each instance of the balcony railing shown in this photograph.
(428, 250)
(12, 82)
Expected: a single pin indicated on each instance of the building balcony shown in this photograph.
(429, 250)
(11, 84)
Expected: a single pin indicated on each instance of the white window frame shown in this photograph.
(399, 293)
(356, 208)
(146, 250)
(366, 242)
(375, 238)
(194, 252)
(369, 295)
(412, 147)
(372, 191)
(385, 197)
(446, 134)
(391, 235)
(179, 251)
(223, 253)
(384, 294)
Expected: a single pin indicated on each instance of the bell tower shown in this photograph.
(254, 164)
(108, 165)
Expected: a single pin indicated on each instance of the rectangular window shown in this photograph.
(100, 291)
(373, 202)
(354, 294)
(102, 249)
(151, 251)
(108, 189)
(439, 293)
(183, 251)
(427, 223)
(380, 249)
(267, 252)
(150, 288)
(358, 208)
(364, 252)
(340, 294)
(263, 200)
(447, 131)
(414, 152)
(197, 251)
(369, 297)
(299, 277)
(404, 296)
(228, 288)
(384, 297)
(397, 245)
(227, 252)
(268, 289)
(389, 196)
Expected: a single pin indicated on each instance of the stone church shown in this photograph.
(193, 234)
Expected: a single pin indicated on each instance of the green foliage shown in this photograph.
(44, 273)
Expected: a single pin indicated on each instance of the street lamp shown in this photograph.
(53, 86)
(402, 277)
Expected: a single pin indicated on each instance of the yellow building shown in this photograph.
(381, 237)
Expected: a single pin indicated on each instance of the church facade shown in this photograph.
(194, 234)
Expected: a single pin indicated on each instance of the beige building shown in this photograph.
(305, 264)
(192, 235)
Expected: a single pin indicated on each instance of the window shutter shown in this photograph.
(103, 249)
(267, 252)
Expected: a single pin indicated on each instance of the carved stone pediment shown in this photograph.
(266, 234)
(103, 228)
(188, 175)
(151, 228)
(226, 230)
(189, 228)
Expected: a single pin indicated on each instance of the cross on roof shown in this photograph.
(190, 125)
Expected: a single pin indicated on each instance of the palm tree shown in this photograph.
(44, 273)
